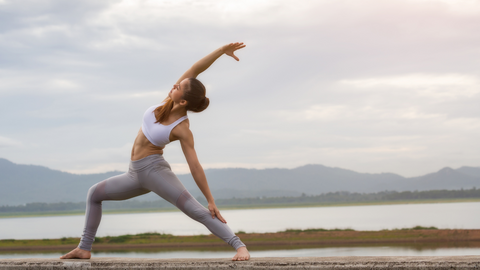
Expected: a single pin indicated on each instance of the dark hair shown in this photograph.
(195, 97)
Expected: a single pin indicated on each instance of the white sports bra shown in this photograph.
(157, 133)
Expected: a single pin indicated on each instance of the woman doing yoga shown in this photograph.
(148, 171)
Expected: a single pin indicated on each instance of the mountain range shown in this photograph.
(20, 184)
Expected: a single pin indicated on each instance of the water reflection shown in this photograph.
(429, 249)
(309, 252)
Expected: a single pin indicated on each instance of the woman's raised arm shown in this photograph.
(204, 63)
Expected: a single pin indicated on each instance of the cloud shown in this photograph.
(7, 142)
(372, 85)
(432, 85)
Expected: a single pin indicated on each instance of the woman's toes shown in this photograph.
(77, 254)
(64, 256)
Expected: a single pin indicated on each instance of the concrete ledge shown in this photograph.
(454, 262)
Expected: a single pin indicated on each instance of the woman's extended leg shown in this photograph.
(198, 212)
(120, 187)
(161, 180)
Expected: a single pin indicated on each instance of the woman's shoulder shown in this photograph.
(184, 124)
(182, 130)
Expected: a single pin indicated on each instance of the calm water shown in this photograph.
(377, 217)
(311, 252)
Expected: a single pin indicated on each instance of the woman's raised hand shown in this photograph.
(229, 49)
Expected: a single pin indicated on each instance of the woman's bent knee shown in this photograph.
(96, 193)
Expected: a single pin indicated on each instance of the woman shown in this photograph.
(148, 171)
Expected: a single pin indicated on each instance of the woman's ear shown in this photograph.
(183, 102)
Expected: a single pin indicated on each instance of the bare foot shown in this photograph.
(77, 254)
(242, 254)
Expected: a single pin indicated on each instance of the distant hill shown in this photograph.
(21, 184)
(30, 183)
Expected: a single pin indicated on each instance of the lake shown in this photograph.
(372, 217)
(308, 252)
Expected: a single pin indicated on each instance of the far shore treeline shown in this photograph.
(33, 183)
(325, 199)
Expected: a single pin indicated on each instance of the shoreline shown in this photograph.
(233, 207)
(290, 239)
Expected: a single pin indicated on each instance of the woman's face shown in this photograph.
(177, 91)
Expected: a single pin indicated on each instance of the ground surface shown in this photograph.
(378, 263)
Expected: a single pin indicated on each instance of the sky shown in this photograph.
(371, 86)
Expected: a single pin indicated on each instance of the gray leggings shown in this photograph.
(152, 173)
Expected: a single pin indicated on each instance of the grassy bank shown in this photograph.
(288, 238)
(235, 207)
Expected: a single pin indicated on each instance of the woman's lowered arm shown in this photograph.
(183, 133)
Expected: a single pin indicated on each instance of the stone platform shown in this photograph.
(452, 262)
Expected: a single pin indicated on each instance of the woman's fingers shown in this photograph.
(234, 57)
(220, 216)
(232, 47)
(239, 46)
(216, 213)
(212, 212)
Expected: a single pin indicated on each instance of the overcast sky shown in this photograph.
(372, 86)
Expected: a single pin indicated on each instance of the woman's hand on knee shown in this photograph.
(215, 212)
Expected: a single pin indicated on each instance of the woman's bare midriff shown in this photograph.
(142, 147)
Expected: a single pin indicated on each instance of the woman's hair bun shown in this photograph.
(195, 96)
(203, 104)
